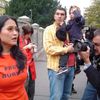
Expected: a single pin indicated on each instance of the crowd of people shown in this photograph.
(17, 65)
(59, 41)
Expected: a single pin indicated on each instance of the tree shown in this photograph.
(3, 3)
(92, 14)
(41, 11)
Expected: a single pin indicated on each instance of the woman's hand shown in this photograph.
(31, 46)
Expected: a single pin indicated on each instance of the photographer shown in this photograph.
(92, 69)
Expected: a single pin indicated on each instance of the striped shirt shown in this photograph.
(54, 48)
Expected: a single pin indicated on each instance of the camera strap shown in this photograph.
(96, 62)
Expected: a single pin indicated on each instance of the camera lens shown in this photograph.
(84, 47)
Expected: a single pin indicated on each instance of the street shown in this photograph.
(42, 83)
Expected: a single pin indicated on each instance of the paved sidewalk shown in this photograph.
(42, 82)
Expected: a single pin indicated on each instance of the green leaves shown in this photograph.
(92, 14)
(41, 10)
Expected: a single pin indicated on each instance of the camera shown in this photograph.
(89, 32)
(82, 45)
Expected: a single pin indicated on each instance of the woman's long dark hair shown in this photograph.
(15, 51)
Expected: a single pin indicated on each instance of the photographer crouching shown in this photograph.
(92, 69)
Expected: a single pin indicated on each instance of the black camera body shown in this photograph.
(81, 45)
(89, 32)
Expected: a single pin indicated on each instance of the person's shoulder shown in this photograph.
(49, 27)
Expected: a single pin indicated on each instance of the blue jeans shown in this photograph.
(90, 93)
(98, 98)
(60, 85)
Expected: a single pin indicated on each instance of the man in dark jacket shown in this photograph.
(92, 69)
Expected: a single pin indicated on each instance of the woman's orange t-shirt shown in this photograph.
(11, 83)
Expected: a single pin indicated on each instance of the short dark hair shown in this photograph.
(27, 29)
(61, 8)
(97, 32)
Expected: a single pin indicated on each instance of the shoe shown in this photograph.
(62, 70)
(74, 91)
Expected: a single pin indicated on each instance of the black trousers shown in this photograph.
(30, 87)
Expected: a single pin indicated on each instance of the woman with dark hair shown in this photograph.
(29, 48)
(13, 72)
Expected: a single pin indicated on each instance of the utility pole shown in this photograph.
(31, 13)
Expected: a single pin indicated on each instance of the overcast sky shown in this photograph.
(80, 3)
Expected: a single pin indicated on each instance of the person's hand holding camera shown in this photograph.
(85, 56)
(70, 48)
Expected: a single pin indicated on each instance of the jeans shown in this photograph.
(98, 98)
(63, 60)
(90, 93)
(60, 85)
